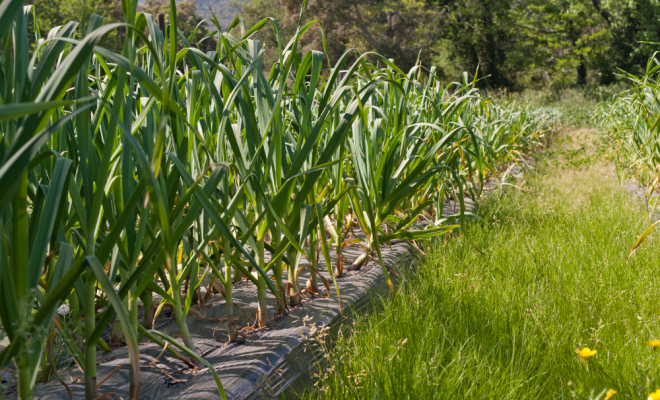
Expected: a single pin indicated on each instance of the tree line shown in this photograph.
(516, 44)
(53, 13)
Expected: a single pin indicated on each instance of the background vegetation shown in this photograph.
(519, 44)
(531, 44)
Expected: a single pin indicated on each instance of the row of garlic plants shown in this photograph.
(630, 130)
(631, 126)
(127, 177)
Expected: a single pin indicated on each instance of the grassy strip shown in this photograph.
(553, 278)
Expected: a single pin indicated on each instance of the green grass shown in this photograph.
(506, 323)
(577, 105)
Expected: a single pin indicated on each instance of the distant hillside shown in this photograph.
(224, 10)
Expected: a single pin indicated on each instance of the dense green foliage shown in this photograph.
(519, 44)
(134, 174)
(504, 321)
(631, 126)
(54, 13)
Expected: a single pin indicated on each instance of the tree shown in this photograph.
(632, 24)
(400, 30)
(53, 13)
(568, 36)
(516, 44)
(480, 38)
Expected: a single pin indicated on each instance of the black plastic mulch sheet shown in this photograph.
(245, 369)
(248, 369)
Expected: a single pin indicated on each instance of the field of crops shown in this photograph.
(127, 178)
(631, 123)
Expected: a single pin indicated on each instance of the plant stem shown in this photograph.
(20, 271)
(147, 308)
(76, 320)
(229, 301)
(238, 275)
(180, 318)
(277, 271)
(292, 281)
(90, 347)
(179, 315)
(20, 253)
(133, 317)
(262, 305)
(23, 373)
(339, 264)
(313, 283)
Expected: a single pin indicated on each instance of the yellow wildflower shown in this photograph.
(586, 353)
(654, 343)
(609, 394)
(655, 395)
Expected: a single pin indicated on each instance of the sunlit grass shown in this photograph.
(505, 321)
